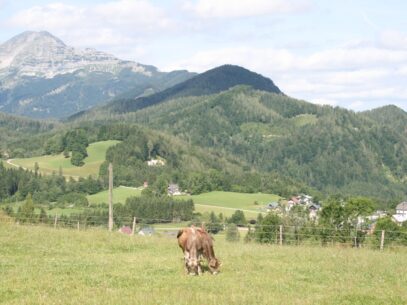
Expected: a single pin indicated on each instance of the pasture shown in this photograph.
(218, 202)
(228, 202)
(41, 265)
(51, 163)
(120, 194)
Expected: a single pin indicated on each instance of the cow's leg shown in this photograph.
(186, 262)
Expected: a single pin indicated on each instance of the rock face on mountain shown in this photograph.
(42, 77)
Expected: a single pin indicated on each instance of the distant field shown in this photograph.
(228, 202)
(243, 201)
(50, 164)
(120, 194)
(41, 265)
(219, 202)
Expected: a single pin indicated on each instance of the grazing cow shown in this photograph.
(195, 243)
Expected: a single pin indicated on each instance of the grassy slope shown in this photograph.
(228, 202)
(48, 266)
(120, 194)
(219, 202)
(49, 164)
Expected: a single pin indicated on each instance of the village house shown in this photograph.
(126, 230)
(146, 231)
(273, 206)
(313, 210)
(402, 208)
(305, 199)
(401, 213)
(173, 190)
(155, 162)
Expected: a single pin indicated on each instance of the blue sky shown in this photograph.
(351, 54)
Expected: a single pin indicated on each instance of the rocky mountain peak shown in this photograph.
(41, 54)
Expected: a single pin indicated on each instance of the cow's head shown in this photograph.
(214, 265)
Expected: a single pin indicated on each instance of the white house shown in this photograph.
(401, 213)
(401, 208)
(155, 162)
(313, 211)
(173, 190)
(399, 218)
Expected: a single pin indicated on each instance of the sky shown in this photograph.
(348, 53)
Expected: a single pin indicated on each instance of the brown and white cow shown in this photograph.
(196, 243)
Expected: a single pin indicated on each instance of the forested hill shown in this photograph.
(331, 149)
(389, 116)
(263, 134)
(213, 81)
(15, 130)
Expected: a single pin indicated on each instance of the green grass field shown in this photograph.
(228, 202)
(218, 202)
(41, 265)
(120, 194)
(50, 164)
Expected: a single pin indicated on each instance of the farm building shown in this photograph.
(313, 209)
(274, 207)
(146, 231)
(401, 213)
(399, 218)
(173, 190)
(402, 208)
(125, 230)
(155, 162)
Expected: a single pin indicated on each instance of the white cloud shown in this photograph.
(357, 105)
(334, 76)
(393, 39)
(244, 8)
(111, 23)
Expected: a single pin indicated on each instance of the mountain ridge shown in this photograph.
(212, 81)
(42, 77)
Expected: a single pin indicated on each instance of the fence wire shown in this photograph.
(273, 234)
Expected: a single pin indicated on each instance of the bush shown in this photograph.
(238, 218)
(73, 198)
(268, 228)
(232, 233)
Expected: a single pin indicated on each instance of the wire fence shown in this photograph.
(262, 233)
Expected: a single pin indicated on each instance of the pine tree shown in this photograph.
(36, 168)
(232, 233)
(26, 213)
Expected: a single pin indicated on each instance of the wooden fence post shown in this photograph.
(55, 221)
(78, 225)
(382, 240)
(134, 226)
(281, 235)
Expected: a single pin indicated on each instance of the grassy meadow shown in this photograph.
(228, 202)
(120, 194)
(218, 202)
(51, 163)
(41, 265)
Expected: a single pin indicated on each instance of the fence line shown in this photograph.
(278, 234)
(78, 217)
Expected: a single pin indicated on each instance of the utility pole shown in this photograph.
(110, 196)
(134, 226)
